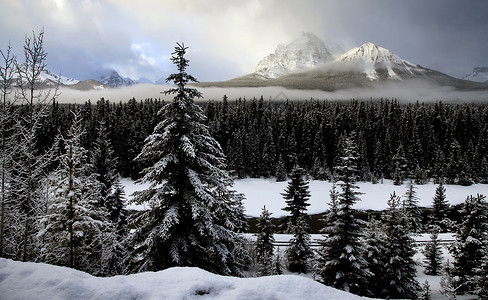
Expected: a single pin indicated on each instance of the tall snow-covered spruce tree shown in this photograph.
(471, 242)
(296, 196)
(398, 276)
(264, 243)
(192, 218)
(440, 209)
(340, 261)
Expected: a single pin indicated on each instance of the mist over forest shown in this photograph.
(411, 91)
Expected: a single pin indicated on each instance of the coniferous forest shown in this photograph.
(62, 201)
(434, 141)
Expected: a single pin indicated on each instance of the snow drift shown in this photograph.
(41, 281)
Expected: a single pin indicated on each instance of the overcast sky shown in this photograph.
(227, 38)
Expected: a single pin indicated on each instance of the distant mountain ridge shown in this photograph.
(307, 63)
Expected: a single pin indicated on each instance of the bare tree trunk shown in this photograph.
(6, 76)
(30, 78)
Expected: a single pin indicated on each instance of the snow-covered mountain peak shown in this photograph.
(373, 56)
(479, 74)
(370, 52)
(114, 79)
(304, 52)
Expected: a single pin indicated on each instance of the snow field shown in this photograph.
(259, 192)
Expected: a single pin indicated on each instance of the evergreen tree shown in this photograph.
(264, 244)
(269, 153)
(399, 266)
(296, 197)
(426, 293)
(482, 279)
(400, 163)
(278, 268)
(103, 161)
(280, 172)
(373, 253)
(115, 204)
(299, 252)
(319, 171)
(412, 212)
(455, 165)
(340, 262)
(331, 214)
(104, 165)
(236, 159)
(448, 288)
(75, 225)
(191, 220)
(440, 209)
(471, 243)
(433, 254)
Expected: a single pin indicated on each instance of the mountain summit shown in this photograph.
(303, 53)
(114, 79)
(479, 74)
(372, 57)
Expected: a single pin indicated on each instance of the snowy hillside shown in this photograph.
(479, 74)
(41, 281)
(48, 78)
(305, 52)
(48, 75)
(260, 192)
(373, 56)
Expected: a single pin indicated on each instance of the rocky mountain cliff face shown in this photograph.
(303, 53)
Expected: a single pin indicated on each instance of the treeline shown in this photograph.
(439, 141)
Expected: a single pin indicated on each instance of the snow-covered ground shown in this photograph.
(260, 192)
(41, 281)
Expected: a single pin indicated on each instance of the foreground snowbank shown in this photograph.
(41, 281)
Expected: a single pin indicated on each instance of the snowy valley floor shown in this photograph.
(260, 192)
